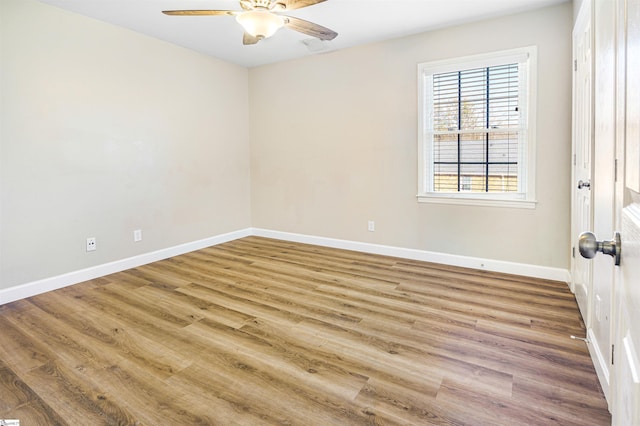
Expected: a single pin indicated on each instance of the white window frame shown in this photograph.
(525, 197)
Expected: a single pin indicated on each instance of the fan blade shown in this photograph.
(249, 39)
(296, 4)
(199, 12)
(309, 28)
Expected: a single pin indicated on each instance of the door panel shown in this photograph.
(632, 156)
(626, 410)
(626, 372)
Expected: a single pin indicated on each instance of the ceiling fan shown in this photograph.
(262, 18)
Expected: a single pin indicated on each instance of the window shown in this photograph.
(465, 183)
(477, 127)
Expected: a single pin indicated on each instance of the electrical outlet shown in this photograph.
(137, 235)
(91, 243)
(371, 226)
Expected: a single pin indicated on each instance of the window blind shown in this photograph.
(476, 130)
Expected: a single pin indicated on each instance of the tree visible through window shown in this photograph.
(474, 120)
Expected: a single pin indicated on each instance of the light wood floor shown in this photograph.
(260, 331)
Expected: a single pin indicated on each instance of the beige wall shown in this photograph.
(104, 131)
(334, 144)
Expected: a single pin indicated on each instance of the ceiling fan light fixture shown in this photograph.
(260, 23)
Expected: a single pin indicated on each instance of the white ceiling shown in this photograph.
(356, 22)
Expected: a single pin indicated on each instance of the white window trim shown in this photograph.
(526, 197)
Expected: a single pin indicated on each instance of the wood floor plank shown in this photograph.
(74, 397)
(19, 351)
(404, 404)
(112, 336)
(533, 336)
(573, 371)
(19, 401)
(331, 352)
(569, 405)
(488, 411)
(230, 297)
(283, 364)
(258, 331)
(301, 363)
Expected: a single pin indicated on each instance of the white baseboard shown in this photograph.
(600, 363)
(48, 284)
(543, 272)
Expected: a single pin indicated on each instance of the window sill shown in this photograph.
(475, 201)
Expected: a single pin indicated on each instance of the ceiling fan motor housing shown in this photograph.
(262, 3)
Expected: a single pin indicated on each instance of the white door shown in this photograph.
(626, 383)
(582, 145)
(594, 150)
(603, 186)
